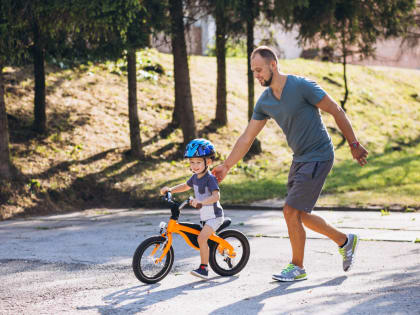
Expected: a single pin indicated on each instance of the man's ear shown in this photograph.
(273, 65)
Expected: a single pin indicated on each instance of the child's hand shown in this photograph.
(163, 190)
(194, 202)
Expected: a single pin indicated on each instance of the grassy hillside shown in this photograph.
(81, 162)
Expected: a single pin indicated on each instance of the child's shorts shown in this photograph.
(214, 223)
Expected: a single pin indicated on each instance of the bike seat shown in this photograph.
(191, 225)
(225, 224)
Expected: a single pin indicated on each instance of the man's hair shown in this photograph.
(265, 52)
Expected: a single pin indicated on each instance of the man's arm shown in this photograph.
(327, 104)
(240, 148)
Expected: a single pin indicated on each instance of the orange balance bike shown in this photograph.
(154, 257)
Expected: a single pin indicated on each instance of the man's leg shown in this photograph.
(305, 183)
(347, 243)
(297, 233)
(294, 271)
(318, 224)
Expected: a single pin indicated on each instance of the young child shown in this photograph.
(200, 153)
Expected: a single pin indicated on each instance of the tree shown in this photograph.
(133, 116)
(183, 111)
(249, 11)
(220, 14)
(11, 51)
(412, 37)
(42, 21)
(53, 28)
(7, 169)
(112, 36)
(228, 25)
(150, 16)
(137, 37)
(351, 27)
(60, 28)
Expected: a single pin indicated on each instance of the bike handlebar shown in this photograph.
(168, 198)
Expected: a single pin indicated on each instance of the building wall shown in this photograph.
(393, 53)
(201, 34)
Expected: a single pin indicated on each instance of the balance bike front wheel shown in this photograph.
(144, 260)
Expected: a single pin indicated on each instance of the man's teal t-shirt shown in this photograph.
(299, 118)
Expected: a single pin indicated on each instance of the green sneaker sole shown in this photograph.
(298, 278)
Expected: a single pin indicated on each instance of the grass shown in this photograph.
(82, 163)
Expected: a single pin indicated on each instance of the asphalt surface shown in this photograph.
(80, 263)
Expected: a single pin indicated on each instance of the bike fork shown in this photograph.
(164, 247)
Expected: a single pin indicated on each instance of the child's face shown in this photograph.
(197, 164)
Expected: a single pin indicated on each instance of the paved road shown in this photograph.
(81, 263)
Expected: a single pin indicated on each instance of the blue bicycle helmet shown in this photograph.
(199, 148)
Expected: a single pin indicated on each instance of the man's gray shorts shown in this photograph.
(305, 183)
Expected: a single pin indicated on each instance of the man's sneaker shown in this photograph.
(348, 251)
(291, 273)
(201, 272)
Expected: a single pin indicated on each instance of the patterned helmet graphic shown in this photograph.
(199, 148)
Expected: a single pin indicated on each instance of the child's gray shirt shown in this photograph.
(203, 188)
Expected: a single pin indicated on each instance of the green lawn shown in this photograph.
(81, 162)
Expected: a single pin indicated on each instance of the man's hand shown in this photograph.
(360, 154)
(220, 171)
(163, 190)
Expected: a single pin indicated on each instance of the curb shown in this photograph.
(402, 209)
(392, 208)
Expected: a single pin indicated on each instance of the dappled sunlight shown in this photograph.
(83, 159)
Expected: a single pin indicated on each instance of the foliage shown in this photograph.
(90, 109)
(70, 30)
(351, 27)
(355, 24)
(235, 47)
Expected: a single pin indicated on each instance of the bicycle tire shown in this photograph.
(219, 266)
(163, 267)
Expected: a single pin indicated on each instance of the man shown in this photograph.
(294, 103)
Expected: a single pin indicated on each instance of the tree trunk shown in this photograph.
(221, 108)
(256, 145)
(344, 62)
(249, 49)
(133, 117)
(346, 89)
(6, 168)
(40, 120)
(183, 98)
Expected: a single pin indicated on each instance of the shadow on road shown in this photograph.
(135, 299)
(255, 304)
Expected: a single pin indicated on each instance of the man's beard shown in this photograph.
(268, 82)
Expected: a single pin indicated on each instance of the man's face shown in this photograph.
(262, 70)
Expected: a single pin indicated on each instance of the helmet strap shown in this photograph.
(205, 166)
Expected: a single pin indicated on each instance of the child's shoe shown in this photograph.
(202, 272)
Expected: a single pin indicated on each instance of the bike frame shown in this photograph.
(175, 227)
